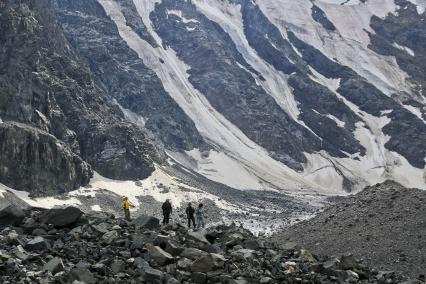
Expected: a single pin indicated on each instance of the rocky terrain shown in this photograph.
(67, 246)
(44, 84)
(385, 225)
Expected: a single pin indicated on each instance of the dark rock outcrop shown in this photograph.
(35, 161)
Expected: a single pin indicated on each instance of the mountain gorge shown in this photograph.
(301, 96)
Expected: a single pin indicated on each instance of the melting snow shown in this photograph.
(404, 48)
(179, 14)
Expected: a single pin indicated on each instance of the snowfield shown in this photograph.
(237, 161)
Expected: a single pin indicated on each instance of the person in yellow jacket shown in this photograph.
(126, 204)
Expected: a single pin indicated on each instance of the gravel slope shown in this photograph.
(385, 225)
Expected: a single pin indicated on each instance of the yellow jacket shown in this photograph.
(126, 204)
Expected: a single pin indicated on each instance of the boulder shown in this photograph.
(81, 274)
(54, 266)
(109, 237)
(152, 275)
(11, 216)
(62, 217)
(38, 244)
(173, 248)
(35, 161)
(198, 277)
(197, 236)
(348, 262)
(160, 256)
(20, 253)
(118, 266)
(147, 222)
(208, 263)
(192, 253)
(305, 255)
(137, 242)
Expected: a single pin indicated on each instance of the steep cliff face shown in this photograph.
(43, 83)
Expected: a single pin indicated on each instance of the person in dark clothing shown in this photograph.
(167, 210)
(190, 215)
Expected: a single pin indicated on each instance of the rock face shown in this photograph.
(35, 161)
(80, 254)
(374, 224)
(122, 74)
(46, 85)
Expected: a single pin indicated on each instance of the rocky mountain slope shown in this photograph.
(67, 124)
(384, 225)
(65, 246)
(296, 95)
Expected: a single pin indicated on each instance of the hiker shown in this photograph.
(190, 215)
(200, 216)
(126, 204)
(167, 210)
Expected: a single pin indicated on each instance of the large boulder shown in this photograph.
(208, 263)
(38, 244)
(81, 274)
(160, 256)
(37, 162)
(54, 266)
(146, 222)
(62, 217)
(11, 215)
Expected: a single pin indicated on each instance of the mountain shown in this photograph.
(322, 96)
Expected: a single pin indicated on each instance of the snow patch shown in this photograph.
(133, 117)
(96, 208)
(42, 202)
(338, 122)
(404, 48)
(416, 111)
(160, 185)
(179, 14)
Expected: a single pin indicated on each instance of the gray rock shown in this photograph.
(160, 256)
(62, 217)
(55, 265)
(192, 253)
(11, 215)
(38, 244)
(118, 266)
(109, 237)
(208, 263)
(198, 277)
(152, 275)
(48, 165)
(147, 222)
(83, 275)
